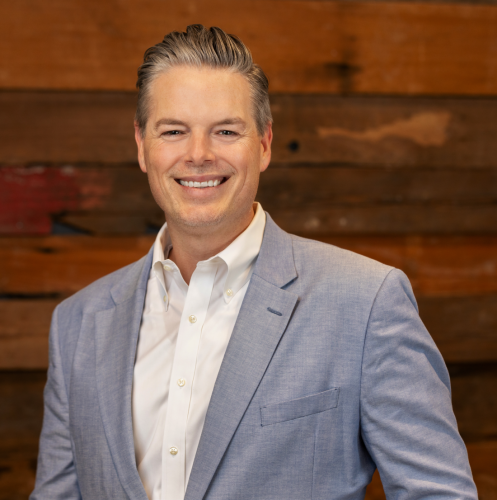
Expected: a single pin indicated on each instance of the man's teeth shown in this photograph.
(200, 184)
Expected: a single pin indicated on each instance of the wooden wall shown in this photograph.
(385, 143)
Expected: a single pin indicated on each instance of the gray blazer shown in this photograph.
(329, 374)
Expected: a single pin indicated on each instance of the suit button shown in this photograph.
(173, 450)
(192, 319)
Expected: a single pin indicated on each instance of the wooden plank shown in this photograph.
(474, 399)
(387, 131)
(307, 200)
(21, 415)
(449, 266)
(79, 127)
(63, 264)
(464, 328)
(305, 46)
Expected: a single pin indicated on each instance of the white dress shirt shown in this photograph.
(184, 334)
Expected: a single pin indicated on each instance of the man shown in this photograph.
(236, 361)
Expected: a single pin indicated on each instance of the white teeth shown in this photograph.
(200, 184)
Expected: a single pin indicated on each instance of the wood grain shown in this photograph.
(85, 127)
(304, 199)
(305, 46)
(436, 266)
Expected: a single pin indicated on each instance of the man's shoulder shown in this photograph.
(315, 251)
(317, 262)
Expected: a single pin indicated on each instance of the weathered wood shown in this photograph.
(307, 200)
(450, 266)
(464, 328)
(78, 127)
(63, 264)
(474, 399)
(388, 131)
(305, 46)
(21, 414)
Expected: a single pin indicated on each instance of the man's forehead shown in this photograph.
(181, 93)
(186, 80)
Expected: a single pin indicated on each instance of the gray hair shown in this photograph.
(198, 47)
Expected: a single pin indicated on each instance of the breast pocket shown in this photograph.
(301, 407)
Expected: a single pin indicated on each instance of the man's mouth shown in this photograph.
(202, 184)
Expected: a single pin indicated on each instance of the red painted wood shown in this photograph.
(28, 196)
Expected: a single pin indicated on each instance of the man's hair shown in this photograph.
(199, 47)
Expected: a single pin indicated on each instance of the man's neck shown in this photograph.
(189, 248)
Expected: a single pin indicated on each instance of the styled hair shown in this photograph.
(199, 47)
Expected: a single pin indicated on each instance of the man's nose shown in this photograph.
(199, 150)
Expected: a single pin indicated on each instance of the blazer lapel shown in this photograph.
(263, 317)
(116, 336)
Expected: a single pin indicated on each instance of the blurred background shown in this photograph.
(385, 121)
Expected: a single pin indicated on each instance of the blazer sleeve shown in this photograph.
(56, 473)
(407, 421)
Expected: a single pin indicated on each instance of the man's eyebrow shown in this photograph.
(231, 121)
(168, 121)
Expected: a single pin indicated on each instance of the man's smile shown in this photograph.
(201, 182)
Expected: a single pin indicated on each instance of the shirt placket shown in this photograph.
(182, 378)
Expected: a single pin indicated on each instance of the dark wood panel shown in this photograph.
(450, 266)
(474, 399)
(307, 200)
(464, 328)
(389, 131)
(305, 46)
(21, 416)
(65, 127)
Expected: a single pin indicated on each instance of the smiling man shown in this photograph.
(236, 361)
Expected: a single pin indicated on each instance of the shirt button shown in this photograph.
(165, 298)
(181, 382)
(173, 450)
(229, 292)
(192, 319)
(166, 267)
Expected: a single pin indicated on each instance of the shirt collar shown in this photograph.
(239, 256)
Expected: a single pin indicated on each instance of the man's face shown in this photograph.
(201, 149)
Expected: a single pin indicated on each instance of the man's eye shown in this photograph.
(172, 132)
(227, 132)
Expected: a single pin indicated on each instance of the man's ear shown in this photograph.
(266, 140)
(140, 145)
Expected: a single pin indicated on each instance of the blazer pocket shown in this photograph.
(297, 408)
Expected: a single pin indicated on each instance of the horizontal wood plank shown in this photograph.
(474, 399)
(305, 46)
(307, 200)
(436, 266)
(79, 127)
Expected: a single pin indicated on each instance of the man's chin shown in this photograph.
(199, 219)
